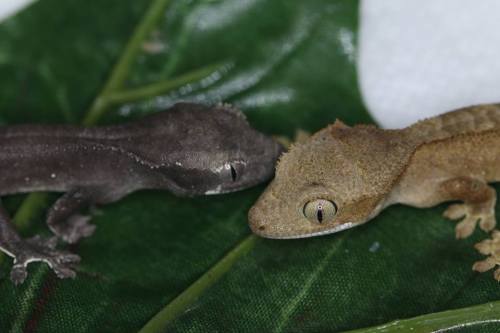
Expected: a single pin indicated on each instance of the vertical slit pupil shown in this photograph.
(319, 214)
(233, 173)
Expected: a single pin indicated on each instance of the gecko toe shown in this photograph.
(455, 211)
(471, 214)
(484, 247)
(76, 228)
(496, 274)
(484, 265)
(466, 227)
(37, 240)
(487, 223)
(68, 258)
(18, 274)
(491, 248)
(64, 272)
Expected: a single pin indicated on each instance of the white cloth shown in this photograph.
(419, 58)
(10, 7)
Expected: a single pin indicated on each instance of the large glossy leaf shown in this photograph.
(176, 264)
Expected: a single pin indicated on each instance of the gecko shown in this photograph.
(343, 176)
(189, 149)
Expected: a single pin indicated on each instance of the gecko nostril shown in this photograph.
(262, 227)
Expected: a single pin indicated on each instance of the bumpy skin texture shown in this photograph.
(189, 150)
(363, 169)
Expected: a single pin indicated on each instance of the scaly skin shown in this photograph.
(349, 174)
(188, 150)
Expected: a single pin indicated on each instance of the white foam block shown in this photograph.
(419, 58)
(10, 7)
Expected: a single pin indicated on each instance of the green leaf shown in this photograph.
(162, 263)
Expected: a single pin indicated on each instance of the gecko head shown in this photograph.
(225, 154)
(320, 187)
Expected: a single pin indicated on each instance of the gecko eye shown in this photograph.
(233, 173)
(320, 210)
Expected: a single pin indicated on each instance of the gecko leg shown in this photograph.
(33, 249)
(478, 205)
(63, 218)
(491, 248)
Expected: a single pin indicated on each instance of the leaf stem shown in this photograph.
(170, 312)
(161, 87)
(441, 321)
(31, 206)
(122, 67)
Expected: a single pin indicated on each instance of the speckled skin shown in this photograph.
(189, 150)
(364, 169)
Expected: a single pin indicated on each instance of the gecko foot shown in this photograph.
(74, 229)
(41, 249)
(489, 247)
(471, 214)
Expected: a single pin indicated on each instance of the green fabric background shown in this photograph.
(287, 64)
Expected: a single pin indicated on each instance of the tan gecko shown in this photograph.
(344, 176)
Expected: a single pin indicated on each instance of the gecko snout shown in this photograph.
(262, 215)
(256, 220)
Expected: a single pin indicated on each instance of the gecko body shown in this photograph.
(188, 150)
(344, 176)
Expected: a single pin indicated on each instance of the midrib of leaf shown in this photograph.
(179, 304)
(36, 202)
(292, 305)
(441, 321)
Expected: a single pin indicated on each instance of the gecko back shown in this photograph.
(189, 149)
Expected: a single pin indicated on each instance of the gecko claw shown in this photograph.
(471, 214)
(40, 249)
(490, 247)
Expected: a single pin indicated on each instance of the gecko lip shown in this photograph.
(260, 231)
(341, 227)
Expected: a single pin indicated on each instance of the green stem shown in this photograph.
(34, 204)
(170, 312)
(446, 320)
(159, 88)
(121, 69)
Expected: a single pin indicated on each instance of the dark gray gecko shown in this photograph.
(189, 150)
